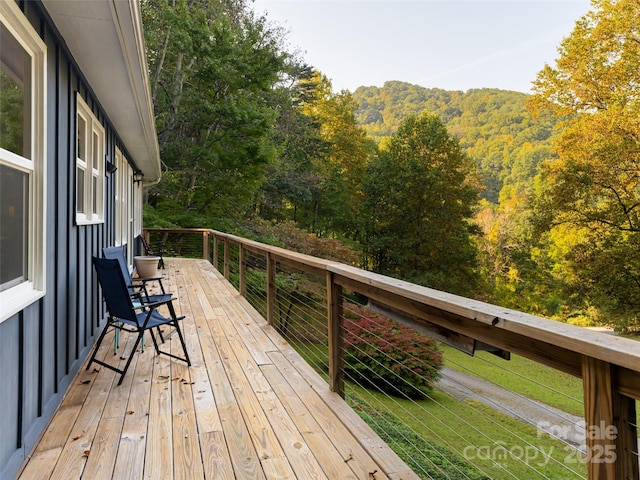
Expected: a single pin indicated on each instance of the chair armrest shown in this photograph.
(148, 279)
(154, 305)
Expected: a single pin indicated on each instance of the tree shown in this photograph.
(321, 163)
(215, 76)
(292, 179)
(340, 168)
(593, 185)
(418, 199)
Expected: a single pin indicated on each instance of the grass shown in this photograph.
(523, 376)
(443, 437)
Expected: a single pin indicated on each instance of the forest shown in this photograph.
(526, 201)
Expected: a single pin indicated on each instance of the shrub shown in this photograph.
(389, 356)
(290, 236)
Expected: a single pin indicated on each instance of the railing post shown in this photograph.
(610, 425)
(336, 338)
(226, 259)
(271, 289)
(215, 252)
(205, 245)
(624, 416)
(242, 265)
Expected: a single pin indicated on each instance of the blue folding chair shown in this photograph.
(137, 286)
(124, 315)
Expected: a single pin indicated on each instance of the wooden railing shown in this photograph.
(608, 365)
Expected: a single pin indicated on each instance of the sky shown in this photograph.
(448, 44)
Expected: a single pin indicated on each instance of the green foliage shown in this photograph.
(291, 237)
(493, 126)
(214, 75)
(246, 131)
(316, 180)
(508, 146)
(388, 355)
(590, 192)
(418, 199)
(11, 115)
(152, 219)
(292, 181)
(428, 459)
(523, 376)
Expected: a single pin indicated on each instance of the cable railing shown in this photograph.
(511, 396)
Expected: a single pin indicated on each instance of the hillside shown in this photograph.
(493, 126)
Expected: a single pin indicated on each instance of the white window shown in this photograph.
(90, 163)
(137, 209)
(128, 204)
(124, 190)
(22, 162)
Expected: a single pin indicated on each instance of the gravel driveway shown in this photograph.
(557, 423)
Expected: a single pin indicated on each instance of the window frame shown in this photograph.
(17, 298)
(123, 187)
(90, 201)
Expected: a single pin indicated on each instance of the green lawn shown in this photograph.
(442, 437)
(465, 439)
(523, 376)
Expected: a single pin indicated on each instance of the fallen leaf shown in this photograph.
(86, 453)
(76, 437)
(84, 382)
(130, 412)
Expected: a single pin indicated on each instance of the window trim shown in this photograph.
(17, 298)
(123, 189)
(93, 194)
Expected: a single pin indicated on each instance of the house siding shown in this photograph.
(43, 346)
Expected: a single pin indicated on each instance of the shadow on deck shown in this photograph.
(249, 407)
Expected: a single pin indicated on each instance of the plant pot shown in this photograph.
(146, 266)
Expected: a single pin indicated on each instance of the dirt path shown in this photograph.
(557, 423)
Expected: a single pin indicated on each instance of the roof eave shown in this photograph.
(106, 40)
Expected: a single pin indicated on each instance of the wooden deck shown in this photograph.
(249, 407)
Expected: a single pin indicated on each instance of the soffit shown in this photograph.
(106, 40)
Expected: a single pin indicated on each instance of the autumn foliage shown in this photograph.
(389, 356)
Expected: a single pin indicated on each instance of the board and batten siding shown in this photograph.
(43, 346)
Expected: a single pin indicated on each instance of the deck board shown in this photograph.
(249, 407)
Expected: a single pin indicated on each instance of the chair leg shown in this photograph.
(182, 342)
(160, 334)
(97, 345)
(123, 371)
(116, 339)
(155, 342)
(133, 351)
(184, 345)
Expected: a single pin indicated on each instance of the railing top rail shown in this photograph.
(178, 230)
(302, 258)
(603, 346)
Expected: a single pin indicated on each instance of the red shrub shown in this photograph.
(389, 356)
